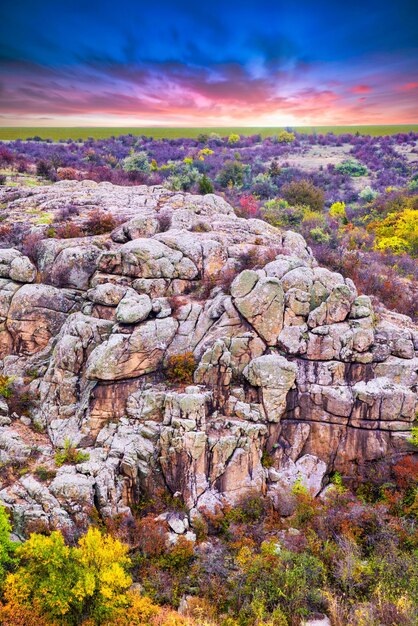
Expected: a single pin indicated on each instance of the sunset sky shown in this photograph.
(181, 63)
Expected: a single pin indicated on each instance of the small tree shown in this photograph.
(205, 185)
(65, 585)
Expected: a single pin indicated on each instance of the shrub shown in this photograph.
(184, 178)
(414, 436)
(6, 156)
(151, 540)
(202, 138)
(67, 211)
(20, 401)
(30, 245)
(394, 244)
(66, 584)
(249, 205)
(6, 389)
(137, 162)
(7, 548)
(45, 170)
(337, 210)
(216, 138)
(304, 193)
(99, 222)
(205, 185)
(70, 455)
(231, 174)
(274, 169)
(368, 194)
(44, 474)
(352, 168)
(279, 213)
(67, 173)
(285, 137)
(398, 232)
(266, 459)
(406, 472)
(250, 508)
(164, 221)
(233, 138)
(68, 231)
(179, 556)
(319, 235)
(281, 579)
(263, 186)
(2, 179)
(180, 368)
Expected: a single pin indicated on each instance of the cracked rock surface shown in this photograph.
(297, 376)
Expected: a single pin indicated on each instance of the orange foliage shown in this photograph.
(180, 368)
(406, 471)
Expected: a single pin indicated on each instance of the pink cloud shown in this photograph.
(361, 89)
(408, 86)
(220, 95)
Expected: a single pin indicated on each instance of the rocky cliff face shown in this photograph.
(296, 375)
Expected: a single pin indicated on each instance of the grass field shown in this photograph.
(10, 133)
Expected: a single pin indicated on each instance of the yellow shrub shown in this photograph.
(337, 210)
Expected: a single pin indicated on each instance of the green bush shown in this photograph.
(183, 178)
(280, 214)
(231, 174)
(44, 474)
(304, 193)
(7, 547)
(280, 579)
(368, 194)
(319, 235)
(205, 185)
(137, 162)
(352, 168)
(70, 455)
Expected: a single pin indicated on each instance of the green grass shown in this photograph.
(9, 133)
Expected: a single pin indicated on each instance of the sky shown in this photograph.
(216, 63)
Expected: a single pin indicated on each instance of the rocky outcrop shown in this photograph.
(296, 375)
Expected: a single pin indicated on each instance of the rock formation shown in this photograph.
(297, 376)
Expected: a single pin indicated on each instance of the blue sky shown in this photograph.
(187, 63)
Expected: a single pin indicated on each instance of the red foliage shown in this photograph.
(31, 244)
(406, 471)
(249, 205)
(68, 173)
(68, 231)
(99, 222)
(151, 537)
(5, 231)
